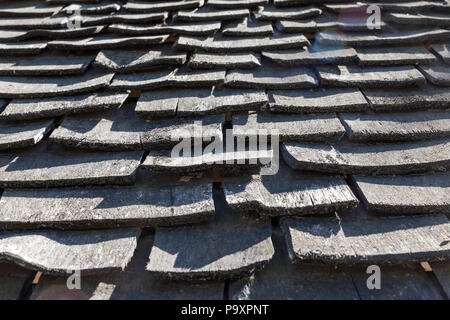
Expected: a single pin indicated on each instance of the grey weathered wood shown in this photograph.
(291, 127)
(391, 241)
(406, 99)
(433, 19)
(405, 282)
(368, 159)
(13, 280)
(387, 38)
(322, 100)
(37, 87)
(268, 13)
(164, 161)
(289, 193)
(211, 14)
(136, 206)
(394, 56)
(226, 61)
(369, 77)
(123, 61)
(168, 78)
(229, 247)
(311, 56)
(397, 126)
(50, 170)
(27, 9)
(196, 29)
(25, 48)
(437, 73)
(134, 283)
(20, 109)
(414, 194)
(443, 51)
(441, 270)
(221, 101)
(236, 3)
(19, 136)
(107, 42)
(272, 76)
(242, 44)
(139, 6)
(66, 251)
(247, 27)
(44, 65)
(281, 280)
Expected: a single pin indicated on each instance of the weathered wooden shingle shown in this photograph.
(289, 127)
(224, 61)
(325, 55)
(247, 27)
(369, 77)
(229, 247)
(20, 109)
(406, 99)
(394, 240)
(131, 284)
(317, 101)
(440, 20)
(369, 159)
(269, 13)
(397, 126)
(27, 9)
(14, 135)
(126, 61)
(281, 280)
(211, 14)
(242, 44)
(196, 29)
(37, 87)
(380, 39)
(394, 56)
(437, 73)
(289, 193)
(107, 207)
(49, 170)
(107, 42)
(413, 194)
(140, 6)
(44, 65)
(272, 76)
(64, 252)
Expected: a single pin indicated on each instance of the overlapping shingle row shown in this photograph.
(95, 95)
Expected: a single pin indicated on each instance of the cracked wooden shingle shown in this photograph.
(38, 87)
(397, 126)
(289, 193)
(394, 56)
(224, 61)
(106, 41)
(25, 134)
(195, 29)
